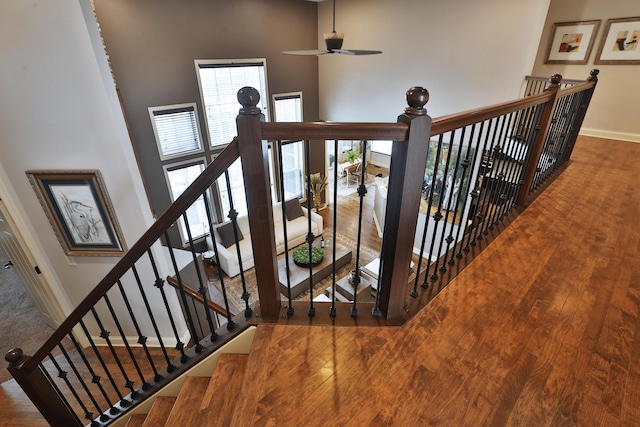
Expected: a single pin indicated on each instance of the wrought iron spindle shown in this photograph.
(443, 268)
(145, 384)
(473, 193)
(142, 339)
(183, 296)
(437, 216)
(332, 310)
(233, 216)
(486, 165)
(95, 379)
(202, 289)
(123, 401)
(223, 287)
(104, 334)
(501, 153)
(290, 309)
(64, 375)
(160, 285)
(310, 237)
(362, 191)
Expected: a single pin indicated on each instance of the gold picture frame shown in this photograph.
(571, 42)
(619, 44)
(79, 210)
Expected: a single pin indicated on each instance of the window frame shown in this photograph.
(186, 105)
(275, 160)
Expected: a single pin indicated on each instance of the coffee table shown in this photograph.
(299, 276)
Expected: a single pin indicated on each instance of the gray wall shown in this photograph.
(152, 45)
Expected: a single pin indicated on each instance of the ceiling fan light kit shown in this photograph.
(333, 43)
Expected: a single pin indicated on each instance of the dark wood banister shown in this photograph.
(157, 230)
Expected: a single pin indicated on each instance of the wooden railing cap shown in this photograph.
(249, 97)
(417, 98)
(15, 357)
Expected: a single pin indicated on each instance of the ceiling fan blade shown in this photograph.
(311, 52)
(357, 52)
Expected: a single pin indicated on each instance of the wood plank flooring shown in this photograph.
(543, 328)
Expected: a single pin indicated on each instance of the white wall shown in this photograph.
(616, 101)
(58, 110)
(466, 53)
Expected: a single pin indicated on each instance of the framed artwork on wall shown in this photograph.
(571, 42)
(79, 210)
(619, 45)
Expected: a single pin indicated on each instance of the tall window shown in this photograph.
(288, 108)
(178, 139)
(219, 82)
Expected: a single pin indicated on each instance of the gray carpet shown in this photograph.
(21, 324)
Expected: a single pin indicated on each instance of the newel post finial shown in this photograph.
(15, 357)
(555, 79)
(593, 75)
(417, 98)
(249, 97)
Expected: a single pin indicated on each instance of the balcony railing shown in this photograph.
(450, 182)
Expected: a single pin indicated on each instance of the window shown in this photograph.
(288, 108)
(179, 176)
(176, 129)
(219, 82)
(383, 147)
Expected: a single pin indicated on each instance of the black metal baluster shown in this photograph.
(443, 268)
(123, 402)
(104, 334)
(290, 309)
(462, 194)
(95, 379)
(142, 339)
(536, 127)
(362, 191)
(491, 187)
(310, 236)
(332, 310)
(64, 376)
(230, 322)
(485, 174)
(160, 285)
(499, 194)
(233, 216)
(145, 384)
(474, 193)
(190, 324)
(202, 289)
(437, 216)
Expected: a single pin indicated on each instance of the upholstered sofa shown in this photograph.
(297, 226)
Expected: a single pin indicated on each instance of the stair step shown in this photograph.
(136, 420)
(159, 412)
(219, 400)
(187, 404)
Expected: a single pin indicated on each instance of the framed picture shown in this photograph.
(79, 210)
(571, 42)
(619, 45)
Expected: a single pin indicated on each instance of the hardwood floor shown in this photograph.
(543, 328)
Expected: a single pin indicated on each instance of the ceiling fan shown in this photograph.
(333, 42)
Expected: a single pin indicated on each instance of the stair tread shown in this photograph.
(159, 412)
(136, 420)
(187, 404)
(219, 400)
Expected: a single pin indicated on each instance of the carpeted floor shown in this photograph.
(234, 285)
(21, 324)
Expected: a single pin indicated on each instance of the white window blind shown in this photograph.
(236, 180)
(176, 130)
(288, 108)
(383, 147)
(219, 84)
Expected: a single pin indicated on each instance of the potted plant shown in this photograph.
(301, 256)
(351, 156)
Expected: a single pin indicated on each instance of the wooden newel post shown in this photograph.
(541, 128)
(406, 175)
(40, 391)
(254, 153)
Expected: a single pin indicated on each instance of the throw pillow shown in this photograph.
(225, 231)
(293, 209)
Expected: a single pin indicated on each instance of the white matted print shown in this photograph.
(619, 44)
(571, 42)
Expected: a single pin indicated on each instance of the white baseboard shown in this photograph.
(619, 136)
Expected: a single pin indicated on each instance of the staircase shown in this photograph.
(202, 401)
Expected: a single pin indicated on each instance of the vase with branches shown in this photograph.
(318, 184)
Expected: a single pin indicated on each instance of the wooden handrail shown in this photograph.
(576, 88)
(196, 296)
(157, 230)
(331, 130)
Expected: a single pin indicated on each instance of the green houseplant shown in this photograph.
(301, 256)
(351, 156)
